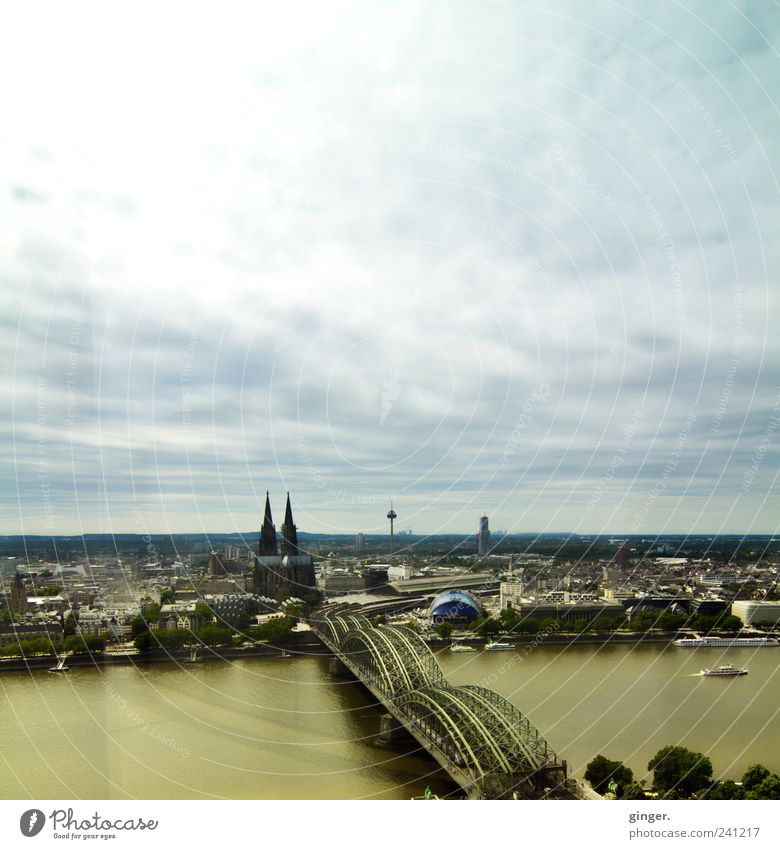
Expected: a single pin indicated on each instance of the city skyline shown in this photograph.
(496, 261)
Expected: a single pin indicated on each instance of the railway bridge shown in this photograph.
(485, 743)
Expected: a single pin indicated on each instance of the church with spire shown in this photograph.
(282, 567)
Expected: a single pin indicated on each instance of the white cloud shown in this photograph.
(254, 218)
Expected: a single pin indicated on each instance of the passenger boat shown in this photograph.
(459, 647)
(493, 646)
(725, 670)
(726, 642)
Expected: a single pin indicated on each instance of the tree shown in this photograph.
(279, 629)
(634, 790)
(203, 611)
(600, 771)
(721, 790)
(769, 788)
(313, 598)
(509, 618)
(69, 625)
(528, 626)
(444, 630)
(173, 639)
(166, 596)
(754, 775)
(84, 644)
(489, 627)
(145, 642)
(153, 614)
(731, 623)
(679, 772)
(213, 635)
(138, 626)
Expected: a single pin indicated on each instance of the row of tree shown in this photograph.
(509, 621)
(277, 630)
(77, 644)
(679, 773)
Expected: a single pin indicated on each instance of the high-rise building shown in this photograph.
(483, 537)
(360, 544)
(217, 567)
(292, 570)
(621, 555)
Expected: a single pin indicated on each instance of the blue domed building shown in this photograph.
(455, 606)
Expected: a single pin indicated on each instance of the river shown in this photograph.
(282, 728)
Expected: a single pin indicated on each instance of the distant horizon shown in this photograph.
(464, 535)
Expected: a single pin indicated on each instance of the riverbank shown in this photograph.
(307, 642)
(299, 644)
(559, 639)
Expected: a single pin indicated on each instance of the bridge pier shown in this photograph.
(338, 669)
(390, 729)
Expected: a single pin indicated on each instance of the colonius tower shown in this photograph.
(292, 570)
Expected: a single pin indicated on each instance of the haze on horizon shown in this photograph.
(473, 257)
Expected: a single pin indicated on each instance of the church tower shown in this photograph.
(18, 600)
(268, 532)
(289, 532)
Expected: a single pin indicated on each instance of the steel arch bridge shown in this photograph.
(486, 744)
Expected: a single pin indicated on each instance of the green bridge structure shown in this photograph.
(483, 741)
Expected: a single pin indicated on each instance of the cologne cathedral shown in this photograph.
(287, 569)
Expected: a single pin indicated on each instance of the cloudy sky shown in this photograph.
(474, 256)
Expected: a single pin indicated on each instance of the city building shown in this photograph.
(19, 633)
(288, 570)
(755, 612)
(573, 611)
(456, 606)
(17, 598)
(400, 573)
(483, 537)
(511, 593)
(717, 579)
(360, 545)
(621, 555)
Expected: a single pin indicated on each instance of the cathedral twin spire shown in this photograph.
(268, 546)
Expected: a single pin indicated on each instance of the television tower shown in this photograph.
(392, 516)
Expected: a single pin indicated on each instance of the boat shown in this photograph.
(726, 642)
(458, 647)
(60, 667)
(495, 646)
(725, 670)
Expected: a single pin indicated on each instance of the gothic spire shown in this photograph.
(267, 532)
(289, 531)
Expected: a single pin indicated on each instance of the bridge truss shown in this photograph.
(483, 740)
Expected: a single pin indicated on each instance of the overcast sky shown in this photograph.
(474, 256)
